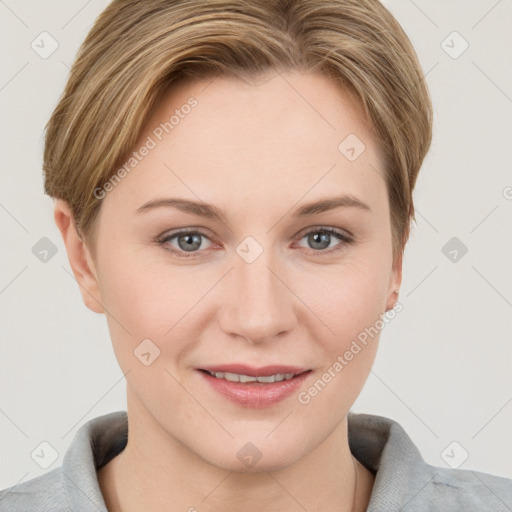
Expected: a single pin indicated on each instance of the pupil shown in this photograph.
(192, 242)
(321, 238)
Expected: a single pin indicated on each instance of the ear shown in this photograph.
(79, 257)
(395, 282)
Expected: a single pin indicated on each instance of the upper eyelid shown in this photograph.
(339, 231)
(172, 234)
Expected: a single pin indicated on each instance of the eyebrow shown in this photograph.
(210, 211)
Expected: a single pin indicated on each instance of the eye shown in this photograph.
(320, 239)
(187, 242)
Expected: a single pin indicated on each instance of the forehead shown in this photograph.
(285, 136)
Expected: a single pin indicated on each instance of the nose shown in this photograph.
(258, 304)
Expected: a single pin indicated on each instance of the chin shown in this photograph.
(252, 453)
(270, 462)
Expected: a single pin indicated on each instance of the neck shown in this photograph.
(156, 472)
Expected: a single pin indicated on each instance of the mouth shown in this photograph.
(255, 387)
(262, 379)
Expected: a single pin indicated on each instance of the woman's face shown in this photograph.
(257, 283)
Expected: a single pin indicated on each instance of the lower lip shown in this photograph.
(256, 394)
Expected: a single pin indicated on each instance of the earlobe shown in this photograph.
(79, 257)
(394, 283)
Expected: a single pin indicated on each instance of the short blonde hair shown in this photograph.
(137, 49)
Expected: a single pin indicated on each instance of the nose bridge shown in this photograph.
(260, 304)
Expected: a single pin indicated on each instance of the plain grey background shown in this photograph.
(443, 368)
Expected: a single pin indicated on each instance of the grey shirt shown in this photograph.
(403, 482)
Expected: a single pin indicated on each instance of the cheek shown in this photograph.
(350, 302)
(352, 309)
(148, 299)
(347, 297)
(146, 294)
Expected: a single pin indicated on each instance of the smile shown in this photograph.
(254, 387)
(265, 379)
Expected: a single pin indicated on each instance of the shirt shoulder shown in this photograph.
(74, 485)
(44, 493)
(405, 482)
(464, 489)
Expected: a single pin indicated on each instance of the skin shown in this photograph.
(257, 151)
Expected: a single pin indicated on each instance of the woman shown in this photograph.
(233, 184)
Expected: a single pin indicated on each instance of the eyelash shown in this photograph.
(344, 239)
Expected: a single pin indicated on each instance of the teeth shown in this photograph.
(245, 378)
(235, 377)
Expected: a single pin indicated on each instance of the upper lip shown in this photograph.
(252, 371)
